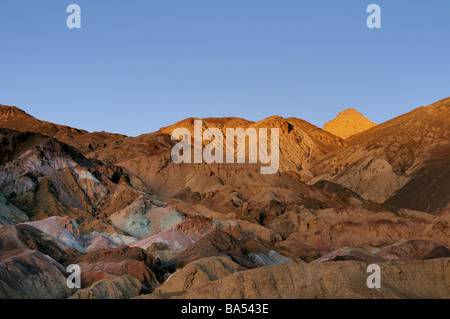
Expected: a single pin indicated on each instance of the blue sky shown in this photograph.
(138, 65)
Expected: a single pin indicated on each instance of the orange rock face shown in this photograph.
(348, 123)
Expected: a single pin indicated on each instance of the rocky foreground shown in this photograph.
(339, 279)
(139, 225)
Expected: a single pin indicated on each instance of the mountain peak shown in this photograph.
(10, 111)
(348, 122)
(350, 111)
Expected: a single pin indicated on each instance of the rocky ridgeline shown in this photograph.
(140, 225)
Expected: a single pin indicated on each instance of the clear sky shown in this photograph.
(138, 65)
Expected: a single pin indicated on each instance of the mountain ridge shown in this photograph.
(129, 216)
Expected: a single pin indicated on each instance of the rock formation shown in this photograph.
(348, 122)
(140, 225)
